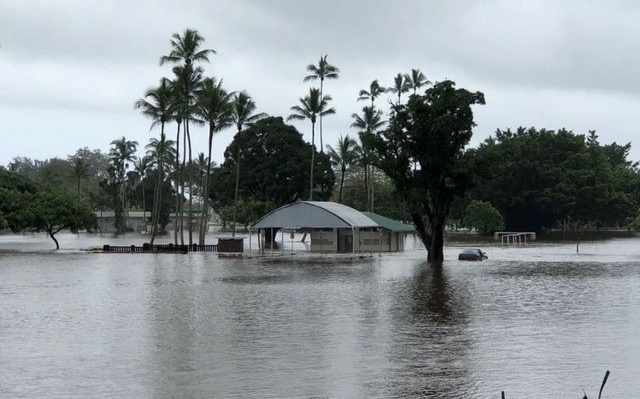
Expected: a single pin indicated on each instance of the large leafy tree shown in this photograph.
(433, 129)
(275, 167)
(540, 179)
(343, 156)
(27, 206)
(214, 106)
(312, 106)
(322, 71)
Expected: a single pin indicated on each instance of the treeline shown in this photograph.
(407, 159)
(542, 179)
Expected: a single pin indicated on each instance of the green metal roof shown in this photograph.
(389, 224)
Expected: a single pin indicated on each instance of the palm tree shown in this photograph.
(142, 167)
(401, 85)
(344, 155)
(416, 80)
(243, 111)
(313, 105)
(80, 171)
(322, 71)
(242, 115)
(158, 105)
(374, 91)
(368, 123)
(185, 48)
(186, 51)
(215, 106)
(161, 153)
(120, 155)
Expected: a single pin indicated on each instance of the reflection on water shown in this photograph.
(540, 321)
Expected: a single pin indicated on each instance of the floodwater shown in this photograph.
(539, 321)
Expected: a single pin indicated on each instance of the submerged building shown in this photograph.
(336, 228)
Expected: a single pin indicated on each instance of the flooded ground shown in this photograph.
(538, 321)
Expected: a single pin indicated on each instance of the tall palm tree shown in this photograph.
(322, 71)
(344, 155)
(312, 106)
(242, 115)
(214, 106)
(120, 155)
(416, 80)
(159, 106)
(374, 91)
(161, 153)
(368, 123)
(186, 51)
(401, 85)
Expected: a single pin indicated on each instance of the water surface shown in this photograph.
(540, 321)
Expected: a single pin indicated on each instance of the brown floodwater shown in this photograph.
(535, 321)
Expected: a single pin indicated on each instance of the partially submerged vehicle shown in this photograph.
(472, 254)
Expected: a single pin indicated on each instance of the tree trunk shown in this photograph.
(190, 188)
(321, 146)
(205, 193)
(313, 158)
(176, 214)
(52, 235)
(235, 197)
(343, 170)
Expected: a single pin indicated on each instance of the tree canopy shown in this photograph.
(421, 153)
(274, 167)
(26, 206)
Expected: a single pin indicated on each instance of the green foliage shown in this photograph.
(421, 152)
(274, 167)
(26, 206)
(247, 211)
(541, 179)
(483, 217)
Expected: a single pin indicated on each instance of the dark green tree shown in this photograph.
(275, 167)
(483, 217)
(433, 130)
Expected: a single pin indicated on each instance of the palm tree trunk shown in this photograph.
(176, 220)
(366, 186)
(156, 201)
(321, 146)
(190, 187)
(343, 169)
(183, 182)
(205, 193)
(313, 158)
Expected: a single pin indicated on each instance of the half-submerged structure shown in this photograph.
(334, 228)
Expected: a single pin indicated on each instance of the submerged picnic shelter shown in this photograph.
(334, 227)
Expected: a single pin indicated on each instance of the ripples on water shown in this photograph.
(540, 321)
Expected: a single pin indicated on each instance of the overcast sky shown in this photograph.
(70, 71)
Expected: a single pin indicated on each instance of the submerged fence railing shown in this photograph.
(163, 248)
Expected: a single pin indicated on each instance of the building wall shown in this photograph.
(325, 240)
(364, 241)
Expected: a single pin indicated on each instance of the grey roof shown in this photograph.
(314, 214)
